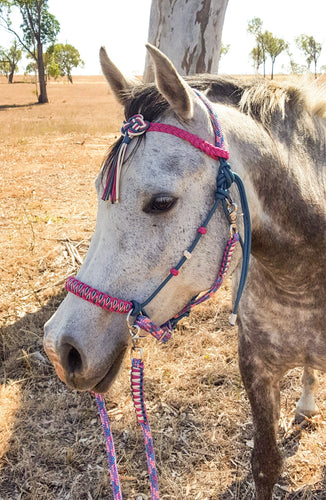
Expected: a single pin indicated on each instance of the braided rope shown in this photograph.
(96, 297)
(213, 151)
(137, 391)
(110, 450)
(161, 333)
(137, 126)
(226, 260)
(134, 127)
(138, 396)
(219, 138)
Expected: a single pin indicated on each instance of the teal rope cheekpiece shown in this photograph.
(135, 127)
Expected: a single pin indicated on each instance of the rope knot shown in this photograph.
(135, 126)
(224, 180)
(226, 176)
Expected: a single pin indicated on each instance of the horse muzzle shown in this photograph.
(84, 361)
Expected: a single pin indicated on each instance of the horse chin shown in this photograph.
(106, 382)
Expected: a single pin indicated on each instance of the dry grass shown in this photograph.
(51, 444)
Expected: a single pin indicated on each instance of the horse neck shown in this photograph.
(285, 187)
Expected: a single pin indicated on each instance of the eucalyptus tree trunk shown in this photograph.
(189, 32)
(43, 96)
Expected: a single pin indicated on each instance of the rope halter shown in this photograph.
(136, 126)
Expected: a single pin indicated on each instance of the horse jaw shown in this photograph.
(171, 85)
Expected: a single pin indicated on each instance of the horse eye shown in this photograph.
(160, 203)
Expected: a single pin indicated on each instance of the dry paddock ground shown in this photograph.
(51, 444)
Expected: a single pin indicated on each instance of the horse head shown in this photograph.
(166, 188)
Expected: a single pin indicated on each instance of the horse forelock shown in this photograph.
(146, 99)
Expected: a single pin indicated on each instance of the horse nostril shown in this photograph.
(74, 360)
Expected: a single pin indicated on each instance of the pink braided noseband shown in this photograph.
(96, 297)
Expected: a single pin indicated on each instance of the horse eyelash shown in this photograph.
(150, 208)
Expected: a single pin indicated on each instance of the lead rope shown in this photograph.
(137, 391)
(110, 450)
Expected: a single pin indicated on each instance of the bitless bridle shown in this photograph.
(135, 127)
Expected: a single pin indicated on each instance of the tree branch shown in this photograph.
(8, 28)
(31, 23)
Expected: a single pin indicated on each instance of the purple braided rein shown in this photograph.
(137, 391)
(110, 450)
(138, 396)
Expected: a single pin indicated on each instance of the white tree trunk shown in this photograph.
(189, 32)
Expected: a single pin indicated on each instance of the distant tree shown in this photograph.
(295, 68)
(310, 48)
(224, 49)
(66, 58)
(51, 65)
(4, 68)
(255, 26)
(258, 54)
(39, 28)
(11, 57)
(31, 68)
(257, 57)
(274, 47)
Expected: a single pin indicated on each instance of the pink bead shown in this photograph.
(175, 272)
(202, 230)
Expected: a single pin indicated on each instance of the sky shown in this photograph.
(122, 27)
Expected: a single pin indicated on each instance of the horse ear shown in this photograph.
(115, 78)
(171, 85)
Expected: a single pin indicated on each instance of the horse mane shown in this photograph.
(263, 100)
(257, 97)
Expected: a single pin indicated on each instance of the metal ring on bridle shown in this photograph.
(133, 329)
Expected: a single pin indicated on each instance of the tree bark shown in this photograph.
(43, 97)
(189, 32)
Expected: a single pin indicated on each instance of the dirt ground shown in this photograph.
(51, 444)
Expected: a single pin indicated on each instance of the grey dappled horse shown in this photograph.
(276, 138)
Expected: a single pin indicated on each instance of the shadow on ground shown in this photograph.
(16, 106)
(53, 430)
(56, 451)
